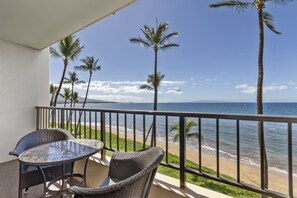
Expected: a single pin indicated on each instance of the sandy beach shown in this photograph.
(249, 174)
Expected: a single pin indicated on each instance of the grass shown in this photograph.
(174, 159)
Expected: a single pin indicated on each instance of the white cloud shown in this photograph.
(117, 87)
(116, 98)
(274, 88)
(253, 89)
(172, 83)
(172, 91)
(246, 88)
(291, 82)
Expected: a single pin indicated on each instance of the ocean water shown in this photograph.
(275, 133)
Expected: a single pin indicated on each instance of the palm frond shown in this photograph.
(81, 68)
(176, 137)
(140, 41)
(193, 135)
(238, 5)
(268, 21)
(168, 36)
(54, 53)
(174, 127)
(147, 87)
(168, 45)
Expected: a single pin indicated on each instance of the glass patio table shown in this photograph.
(61, 153)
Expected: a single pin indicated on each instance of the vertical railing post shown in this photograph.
(262, 169)
(218, 146)
(154, 128)
(53, 112)
(238, 150)
(37, 118)
(102, 131)
(62, 119)
(182, 151)
(290, 161)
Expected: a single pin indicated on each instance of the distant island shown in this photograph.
(81, 100)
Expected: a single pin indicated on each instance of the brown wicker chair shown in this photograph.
(130, 175)
(30, 175)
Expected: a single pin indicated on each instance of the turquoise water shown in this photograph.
(275, 133)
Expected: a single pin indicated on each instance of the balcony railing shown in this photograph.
(146, 127)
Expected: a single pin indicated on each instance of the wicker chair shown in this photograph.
(29, 175)
(130, 175)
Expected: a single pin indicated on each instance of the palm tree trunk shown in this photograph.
(61, 82)
(71, 99)
(153, 138)
(83, 106)
(52, 99)
(155, 87)
(65, 103)
(87, 91)
(260, 96)
(71, 103)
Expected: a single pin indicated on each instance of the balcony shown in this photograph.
(127, 130)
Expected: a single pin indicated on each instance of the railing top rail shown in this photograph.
(244, 117)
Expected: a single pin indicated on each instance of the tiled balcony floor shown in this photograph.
(9, 175)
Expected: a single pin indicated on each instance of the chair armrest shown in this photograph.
(13, 153)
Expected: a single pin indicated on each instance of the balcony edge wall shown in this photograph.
(24, 84)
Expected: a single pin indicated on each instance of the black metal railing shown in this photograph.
(107, 124)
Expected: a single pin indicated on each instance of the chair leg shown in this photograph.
(20, 193)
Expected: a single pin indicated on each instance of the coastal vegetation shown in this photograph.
(189, 126)
(72, 80)
(153, 82)
(53, 91)
(264, 18)
(89, 65)
(66, 95)
(158, 39)
(68, 50)
(173, 159)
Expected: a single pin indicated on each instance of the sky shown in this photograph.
(216, 60)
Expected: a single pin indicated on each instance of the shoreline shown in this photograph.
(249, 174)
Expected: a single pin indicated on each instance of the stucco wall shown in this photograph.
(24, 84)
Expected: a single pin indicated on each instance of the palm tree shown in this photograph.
(152, 83)
(66, 95)
(264, 18)
(89, 65)
(189, 125)
(68, 50)
(157, 39)
(75, 98)
(73, 79)
(53, 91)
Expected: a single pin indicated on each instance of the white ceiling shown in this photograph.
(40, 23)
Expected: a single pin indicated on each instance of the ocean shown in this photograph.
(275, 133)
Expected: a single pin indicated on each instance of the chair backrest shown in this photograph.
(39, 137)
(133, 173)
(124, 165)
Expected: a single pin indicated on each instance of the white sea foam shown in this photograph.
(207, 148)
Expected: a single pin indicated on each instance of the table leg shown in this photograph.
(20, 179)
(63, 178)
(85, 171)
(44, 182)
(71, 172)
